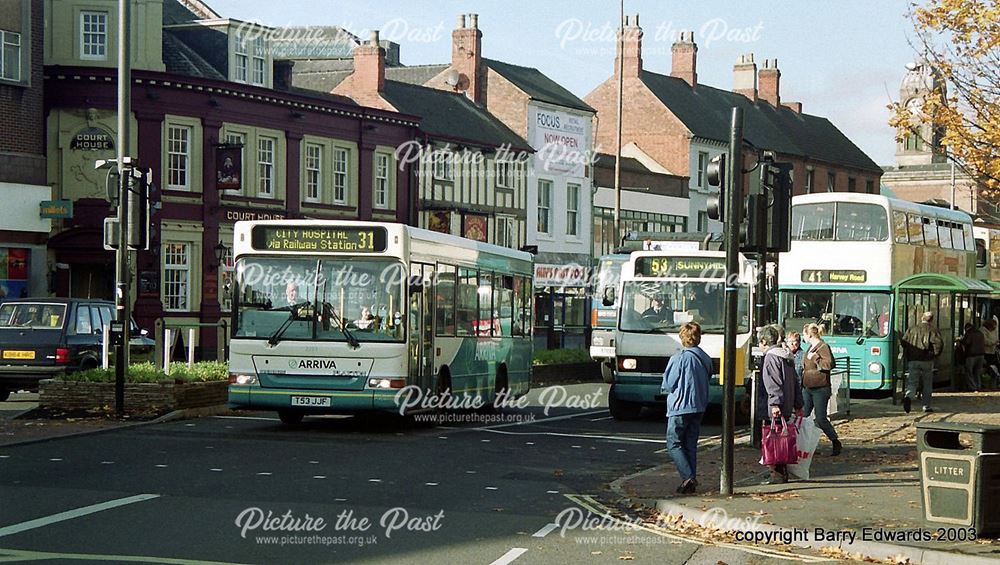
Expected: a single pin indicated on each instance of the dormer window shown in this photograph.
(258, 61)
(94, 36)
(250, 59)
(240, 59)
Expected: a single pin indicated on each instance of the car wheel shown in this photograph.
(620, 409)
(290, 417)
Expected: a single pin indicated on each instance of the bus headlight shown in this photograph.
(874, 367)
(629, 364)
(242, 379)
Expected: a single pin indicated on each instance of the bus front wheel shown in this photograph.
(607, 372)
(620, 409)
(290, 417)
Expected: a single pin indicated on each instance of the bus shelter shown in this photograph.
(953, 301)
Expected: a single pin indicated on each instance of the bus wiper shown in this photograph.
(293, 312)
(351, 340)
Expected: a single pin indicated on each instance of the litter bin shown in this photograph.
(960, 474)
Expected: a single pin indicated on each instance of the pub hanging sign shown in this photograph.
(92, 139)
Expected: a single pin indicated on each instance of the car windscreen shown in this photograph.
(38, 315)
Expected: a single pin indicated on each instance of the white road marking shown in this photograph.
(107, 462)
(4, 456)
(161, 466)
(319, 476)
(492, 488)
(510, 556)
(471, 472)
(601, 419)
(485, 441)
(340, 500)
(264, 474)
(551, 492)
(529, 422)
(216, 470)
(374, 480)
(258, 418)
(431, 484)
(76, 513)
(545, 531)
(579, 436)
(55, 459)
(314, 462)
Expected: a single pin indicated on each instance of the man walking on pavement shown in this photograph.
(975, 349)
(686, 384)
(922, 344)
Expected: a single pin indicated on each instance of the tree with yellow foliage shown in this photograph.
(960, 41)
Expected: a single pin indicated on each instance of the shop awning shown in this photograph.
(947, 283)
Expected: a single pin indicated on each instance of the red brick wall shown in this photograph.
(646, 122)
(22, 115)
(507, 103)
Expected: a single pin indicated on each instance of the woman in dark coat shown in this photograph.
(781, 395)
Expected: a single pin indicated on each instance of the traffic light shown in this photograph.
(716, 173)
(770, 202)
(138, 208)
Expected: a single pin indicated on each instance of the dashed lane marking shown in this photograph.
(510, 556)
(548, 529)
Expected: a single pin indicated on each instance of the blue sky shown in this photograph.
(843, 59)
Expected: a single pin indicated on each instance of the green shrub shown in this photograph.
(560, 356)
(202, 371)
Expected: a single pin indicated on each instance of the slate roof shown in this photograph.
(176, 13)
(451, 116)
(181, 59)
(537, 85)
(706, 112)
(629, 164)
(418, 74)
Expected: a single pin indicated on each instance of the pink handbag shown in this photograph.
(778, 444)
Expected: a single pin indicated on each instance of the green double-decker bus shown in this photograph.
(865, 267)
(345, 316)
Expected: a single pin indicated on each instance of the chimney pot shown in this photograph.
(745, 77)
(474, 21)
(374, 37)
(461, 22)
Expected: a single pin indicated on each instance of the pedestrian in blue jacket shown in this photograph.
(685, 383)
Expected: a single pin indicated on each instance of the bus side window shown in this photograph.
(445, 307)
(982, 255)
(467, 305)
(506, 305)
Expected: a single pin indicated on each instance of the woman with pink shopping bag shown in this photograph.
(780, 397)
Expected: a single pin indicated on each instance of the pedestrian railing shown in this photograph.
(167, 334)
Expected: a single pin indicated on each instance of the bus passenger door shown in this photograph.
(421, 335)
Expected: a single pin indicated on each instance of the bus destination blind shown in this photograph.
(308, 239)
(826, 276)
(680, 267)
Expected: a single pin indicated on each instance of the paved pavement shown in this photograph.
(871, 491)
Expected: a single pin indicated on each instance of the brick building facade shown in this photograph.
(23, 263)
(683, 124)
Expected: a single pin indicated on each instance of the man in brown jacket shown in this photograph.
(975, 348)
(922, 344)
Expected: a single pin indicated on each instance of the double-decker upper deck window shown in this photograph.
(840, 221)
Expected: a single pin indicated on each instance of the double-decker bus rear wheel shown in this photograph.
(607, 372)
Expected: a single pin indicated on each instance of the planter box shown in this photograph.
(166, 397)
(589, 371)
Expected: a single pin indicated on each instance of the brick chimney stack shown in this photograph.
(745, 77)
(684, 58)
(770, 78)
(283, 74)
(794, 106)
(631, 36)
(369, 65)
(466, 56)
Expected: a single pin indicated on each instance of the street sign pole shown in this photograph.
(733, 216)
(122, 270)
